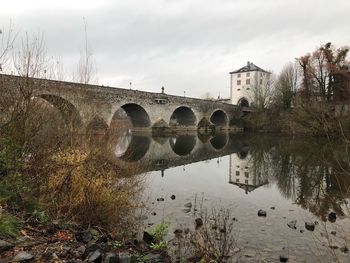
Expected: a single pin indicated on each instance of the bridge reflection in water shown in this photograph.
(162, 153)
(299, 170)
(159, 153)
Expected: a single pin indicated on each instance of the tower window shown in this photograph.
(238, 75)
(248, 74)
(247, 81)
(238, 82)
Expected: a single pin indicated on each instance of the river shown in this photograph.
(292, 179)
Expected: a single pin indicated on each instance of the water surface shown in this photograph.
(290, 178)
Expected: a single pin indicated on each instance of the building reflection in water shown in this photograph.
(243, 174)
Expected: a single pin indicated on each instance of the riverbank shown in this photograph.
(214, 237)
(56, 242)
(67, 202)
(313, 120)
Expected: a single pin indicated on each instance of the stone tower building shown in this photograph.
(244, 81)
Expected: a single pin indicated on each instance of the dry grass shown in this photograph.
(213, 239)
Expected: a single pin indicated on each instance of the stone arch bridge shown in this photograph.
(85, 105)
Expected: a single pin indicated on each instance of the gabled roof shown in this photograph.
(249, 187)
(249, 67)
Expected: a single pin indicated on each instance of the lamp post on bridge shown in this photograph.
(184, 93)
(130, 83)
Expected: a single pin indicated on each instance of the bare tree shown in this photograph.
(86, 70)
(30, 59)
(55, 68)
(318, 71)
(261, 92)
(19, 106)
(307, 79)
(286, 86)
(7, 38)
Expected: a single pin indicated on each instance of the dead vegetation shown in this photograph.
(213, 240)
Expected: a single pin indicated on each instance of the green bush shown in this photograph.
(10, 157)
(139, 258)
(9, 226)
(162, 245)
(40, 216)
(159, 231)
(10, 188)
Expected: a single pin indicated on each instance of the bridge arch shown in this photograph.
(137, 115)
(68, 111)
(131, 148)
(242, 155)
(183, 116)
(219, 118)
(219, 141)
(183, 144)
(243, 102)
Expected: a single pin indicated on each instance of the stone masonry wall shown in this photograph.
(93, 100)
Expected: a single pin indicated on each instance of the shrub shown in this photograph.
(162, 246)
(11, 189)
(213, 239)
(9, 226)
(10, 157)
(159, 231)
(83, 186)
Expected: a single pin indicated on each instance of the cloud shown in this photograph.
(183, 44)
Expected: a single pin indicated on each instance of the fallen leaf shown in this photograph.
(23, 232)
(62, 235)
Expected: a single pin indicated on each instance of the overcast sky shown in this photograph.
(184, 45)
